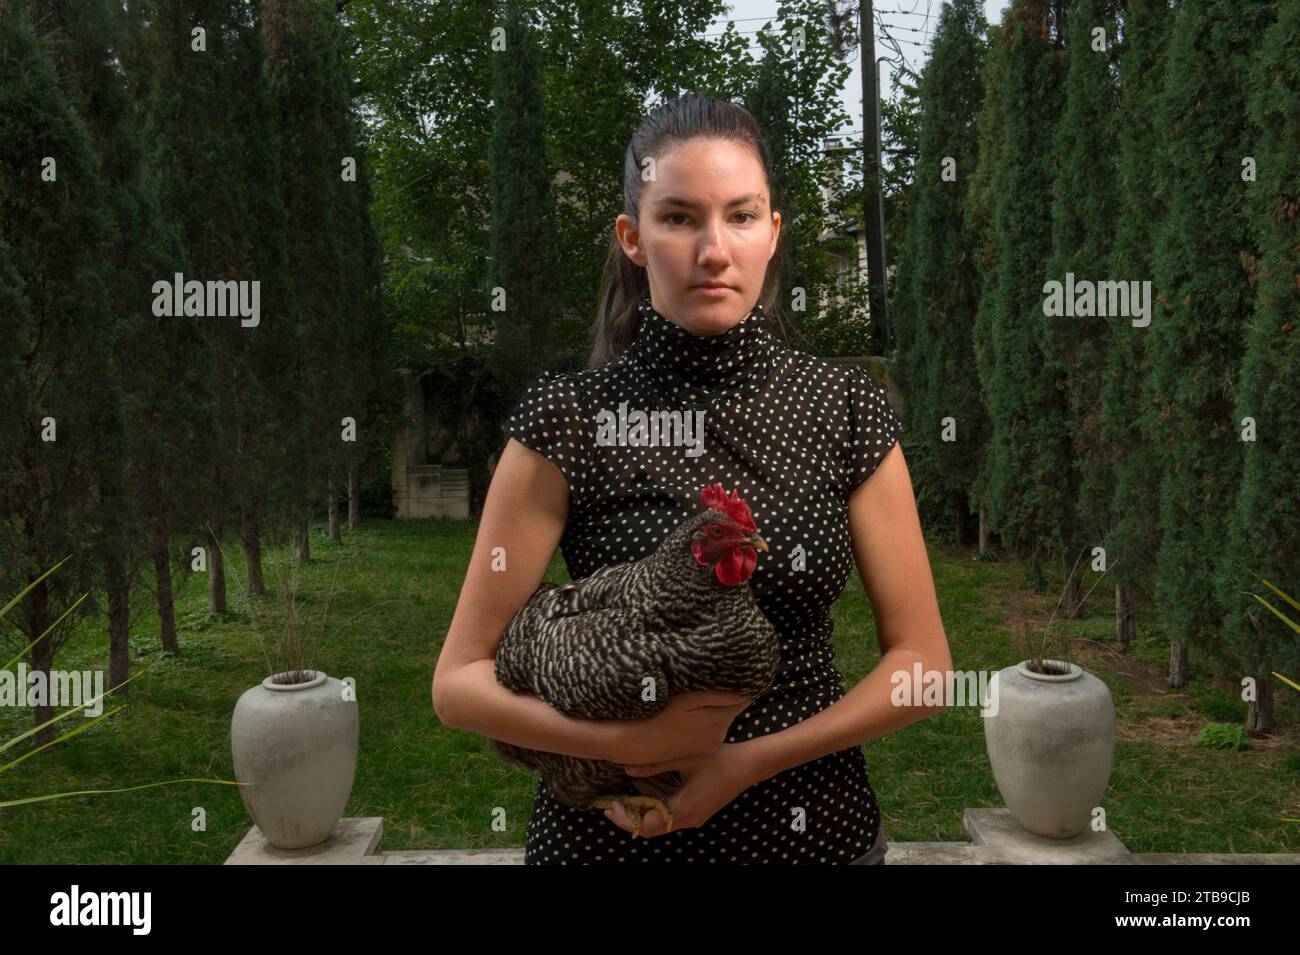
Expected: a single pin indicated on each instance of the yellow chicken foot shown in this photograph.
(636, 807)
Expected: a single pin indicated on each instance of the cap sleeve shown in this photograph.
(550, 418)
(873, 427)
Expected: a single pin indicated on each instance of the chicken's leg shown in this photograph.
(636, 807)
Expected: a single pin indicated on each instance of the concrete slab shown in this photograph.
(997, 831)
(353, 842)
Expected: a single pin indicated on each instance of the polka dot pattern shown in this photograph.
(795, 434)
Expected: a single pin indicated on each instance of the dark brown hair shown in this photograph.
(624, 283)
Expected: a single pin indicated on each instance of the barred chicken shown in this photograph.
(619, 643)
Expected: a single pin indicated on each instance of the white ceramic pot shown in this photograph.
(1052, 747)
(296, 747)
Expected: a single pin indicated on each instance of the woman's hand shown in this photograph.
(711, 780)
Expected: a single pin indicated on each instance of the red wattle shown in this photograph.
(736, 567)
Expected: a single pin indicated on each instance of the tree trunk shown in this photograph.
(961, 520)
(1037, 579)
(304, 541)
(216, 573)
(1125, 625)
(477, 479)
(984, 532)
(162, 568)
(253, 554)
(354, 497)
(1177, 664)
(119, 617)
(1259, 718)
(335, 538)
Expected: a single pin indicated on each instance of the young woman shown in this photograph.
(691, 272)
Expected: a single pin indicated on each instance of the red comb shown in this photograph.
(715, 499)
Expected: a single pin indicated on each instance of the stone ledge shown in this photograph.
(998, 840)
(455, 857)
(1217, 858)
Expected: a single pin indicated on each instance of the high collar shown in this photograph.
(700, 367)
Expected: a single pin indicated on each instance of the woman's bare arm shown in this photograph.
(889, 548)
(525, 512)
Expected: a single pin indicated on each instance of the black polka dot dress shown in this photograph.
(794, 434)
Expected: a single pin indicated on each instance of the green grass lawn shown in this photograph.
(395, 586)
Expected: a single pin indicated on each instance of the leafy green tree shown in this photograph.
(935, 319)
(1083, 228)
(190, 66)
(1262, 537)
(900, 134)
(522, 243)
(373, 389)
(269, 436)
(367, 389)
(308, 93)
(1127, 448)
(164, 407)
(1028, 451)
(64, 435)
(1203, 288)
(425, 76)
(784, 95)
(978, 214)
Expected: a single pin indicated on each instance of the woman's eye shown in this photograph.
(673, 215)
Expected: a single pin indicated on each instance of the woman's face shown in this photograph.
(706, 218)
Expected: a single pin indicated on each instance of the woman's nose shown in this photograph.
(714, 247)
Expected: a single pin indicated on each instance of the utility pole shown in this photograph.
(873, 199)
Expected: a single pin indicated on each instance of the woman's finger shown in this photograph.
(660, 786)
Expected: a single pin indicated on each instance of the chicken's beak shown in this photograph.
(756, 542)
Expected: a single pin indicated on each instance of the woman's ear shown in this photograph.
(629, 237)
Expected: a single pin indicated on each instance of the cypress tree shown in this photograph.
(523, 229)
(1262, 535)
(269, 432)
(373, 396)
(1028, 451)
(90, 41)
(1083, 226)
(1126, 446)
(363, 355)
(304, 90)
(194, 147)
(978, 216)
(936, 354)
(900, 122)
(1205, 297)
(59, 482)
(220, 187)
